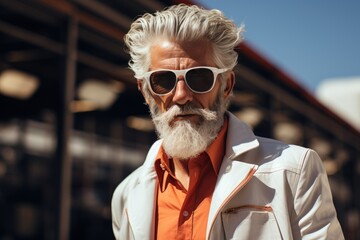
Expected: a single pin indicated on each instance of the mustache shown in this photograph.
(176, 110)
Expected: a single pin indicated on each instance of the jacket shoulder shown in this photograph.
(276, 155)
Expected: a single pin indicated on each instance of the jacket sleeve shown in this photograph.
(315, 214)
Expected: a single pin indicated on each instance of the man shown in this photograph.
(209, 176)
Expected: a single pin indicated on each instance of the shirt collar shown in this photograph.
(162, 168)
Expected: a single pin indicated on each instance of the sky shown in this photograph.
(309, 40)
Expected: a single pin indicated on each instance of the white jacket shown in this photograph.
(265, 190)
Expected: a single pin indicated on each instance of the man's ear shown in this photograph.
(139, 85)
(230, 82)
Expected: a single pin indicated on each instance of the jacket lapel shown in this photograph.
(234, 174)
(230, 183)
(141, 201)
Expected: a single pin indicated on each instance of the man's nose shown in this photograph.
(182, 93)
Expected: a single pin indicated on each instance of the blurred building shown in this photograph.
(73, 125)
(342, 95)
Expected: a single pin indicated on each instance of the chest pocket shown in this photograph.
(250, 223)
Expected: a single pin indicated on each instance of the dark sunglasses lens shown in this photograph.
(200, 79)
(162, 82)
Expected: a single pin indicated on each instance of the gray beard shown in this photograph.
(184, 139)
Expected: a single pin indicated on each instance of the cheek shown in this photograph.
(209, 99)
(162, 102)
(205, 101)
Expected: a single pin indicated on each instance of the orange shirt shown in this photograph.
(181, 213)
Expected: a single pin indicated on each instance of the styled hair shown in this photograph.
(183, 23)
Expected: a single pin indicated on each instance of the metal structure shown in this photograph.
(62, 154)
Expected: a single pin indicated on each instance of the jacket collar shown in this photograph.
(240, 138)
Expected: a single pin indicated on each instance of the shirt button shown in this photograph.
(228, 169)
(185, 213)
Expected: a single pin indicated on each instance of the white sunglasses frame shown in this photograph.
(182, 72)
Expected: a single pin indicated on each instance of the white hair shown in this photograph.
(183, 23)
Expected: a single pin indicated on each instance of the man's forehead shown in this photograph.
(199, 47)
(179, 55)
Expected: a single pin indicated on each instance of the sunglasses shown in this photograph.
(198, 79)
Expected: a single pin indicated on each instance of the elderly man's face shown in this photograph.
(186, 121)
(171, 55)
